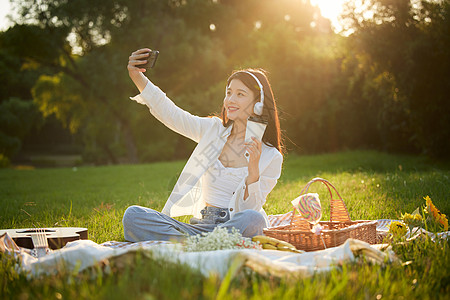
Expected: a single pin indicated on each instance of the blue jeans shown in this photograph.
(146, 224)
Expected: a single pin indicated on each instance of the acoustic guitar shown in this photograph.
(57, 237)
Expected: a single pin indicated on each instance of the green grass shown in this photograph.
(373, 186)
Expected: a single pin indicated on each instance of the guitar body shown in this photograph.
(57, 237)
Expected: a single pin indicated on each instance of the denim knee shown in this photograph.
(132, 213)
(128, 215)
(249, 222)
(134, 220)
(253, 217)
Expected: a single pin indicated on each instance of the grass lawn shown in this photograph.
(373, 185)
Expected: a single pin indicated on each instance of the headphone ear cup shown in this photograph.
(258, 108)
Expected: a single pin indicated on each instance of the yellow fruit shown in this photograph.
(269, 247)
(273, 241)
(286, 244)
(262, 239)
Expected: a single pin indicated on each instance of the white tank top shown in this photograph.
(220, 183)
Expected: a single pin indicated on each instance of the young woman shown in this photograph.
(226, 181)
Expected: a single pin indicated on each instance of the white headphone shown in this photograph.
(258, 108)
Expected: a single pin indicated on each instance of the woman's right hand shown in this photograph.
(136, 58)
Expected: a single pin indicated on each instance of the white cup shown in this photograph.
(255, 128)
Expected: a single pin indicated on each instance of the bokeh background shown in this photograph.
(380, 80)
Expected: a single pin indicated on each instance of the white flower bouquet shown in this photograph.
(219, 239)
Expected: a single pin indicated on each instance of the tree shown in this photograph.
(105, 33)
(408, 45)
(372, 89)
(16, 120)
(19, 115)
(86, 91)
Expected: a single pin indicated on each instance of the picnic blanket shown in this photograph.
(82, 254)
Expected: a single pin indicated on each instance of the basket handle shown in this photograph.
(338, 209)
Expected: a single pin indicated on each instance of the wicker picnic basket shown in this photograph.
(334, 233)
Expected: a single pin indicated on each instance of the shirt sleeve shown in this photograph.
(175, 118)
(258, 191)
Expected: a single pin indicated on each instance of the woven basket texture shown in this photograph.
(334, 233)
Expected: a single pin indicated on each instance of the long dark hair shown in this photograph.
(272, 135)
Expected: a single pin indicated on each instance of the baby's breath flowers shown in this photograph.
(398, 229)
(219, 239)
(435, 214)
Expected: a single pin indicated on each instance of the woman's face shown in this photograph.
(239, 101)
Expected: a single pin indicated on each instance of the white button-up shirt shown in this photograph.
(210, 136)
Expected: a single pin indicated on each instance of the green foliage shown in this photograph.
(4, 161)
(52, 98)
(16, 120)
(383, 87)
(408, 45)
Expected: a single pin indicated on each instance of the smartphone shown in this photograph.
(151, 60)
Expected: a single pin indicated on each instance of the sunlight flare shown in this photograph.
(331, 9)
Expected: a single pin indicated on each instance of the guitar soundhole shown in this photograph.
(37, 230)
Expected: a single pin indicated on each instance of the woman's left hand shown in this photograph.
(254, 149)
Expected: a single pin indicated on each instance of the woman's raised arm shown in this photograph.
(161, 106)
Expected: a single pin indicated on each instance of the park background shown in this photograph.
(380, 83)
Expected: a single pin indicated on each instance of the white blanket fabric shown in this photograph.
(82, 254)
